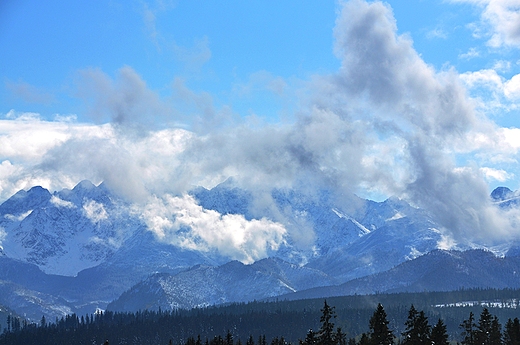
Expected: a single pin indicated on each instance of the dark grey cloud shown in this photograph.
(124, 101)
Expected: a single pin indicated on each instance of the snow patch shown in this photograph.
(396, 216)
(507, 304)
(3, 235)
(414, 254)
(287, 286)
(363, 229)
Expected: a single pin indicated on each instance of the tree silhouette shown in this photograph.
(326, 332)
(512, 332)
(417, 330)
(380, 333)
(468, 330)
(439, 335)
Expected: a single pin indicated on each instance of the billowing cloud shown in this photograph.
(496, 174)
(503, 16)
(429, 110)
(512, 88)
(386, 122)
(180, 221)
(492, 91)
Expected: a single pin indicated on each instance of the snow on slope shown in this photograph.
(65, 232)
(91, 234)
(233, 282)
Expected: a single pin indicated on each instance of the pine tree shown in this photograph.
(439, 335)
(417, 328)
(468, 330)
(310, 339)
(495, 338)
(340, 338)
(364, 340)
(229, 338)
(488, 330)
(326, 332)
(512, 332)
(380, 333)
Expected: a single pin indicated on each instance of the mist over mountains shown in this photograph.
(85, 248)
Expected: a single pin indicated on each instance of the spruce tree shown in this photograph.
(488, 331)
(512, 332)
(380, 333)
(229, 338)
(340, 338)
(439, 335)
(310, 339)
(469, 330)
(417, 330)
(495, 338)
(364, 340)
(326, 332)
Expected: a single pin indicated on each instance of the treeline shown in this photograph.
(290, 319)
(265, 328)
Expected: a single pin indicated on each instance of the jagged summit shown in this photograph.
(24, 201)
(63, 232)
(85, 184)
(101, 245)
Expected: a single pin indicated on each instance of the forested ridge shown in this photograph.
(352, 320)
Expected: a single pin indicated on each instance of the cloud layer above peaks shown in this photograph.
(385, 123)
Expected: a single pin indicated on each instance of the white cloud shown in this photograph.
(512, 88)
(488, 77)
(61, 203)
(496, 174)
(94, 211)
(180, 221)
(385, 121)
(19, 217)
(503, 16)
(492, 91)
(472, 53)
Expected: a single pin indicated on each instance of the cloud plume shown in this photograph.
(385, 123)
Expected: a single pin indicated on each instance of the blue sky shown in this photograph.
(415, 99)
(213, 46)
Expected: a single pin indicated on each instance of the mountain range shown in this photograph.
(84, 249)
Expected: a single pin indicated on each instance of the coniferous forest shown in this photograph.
(406, 319)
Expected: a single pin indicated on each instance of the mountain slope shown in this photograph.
(438, 270)
(232, 282)
(65, 232)
(79, 249)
